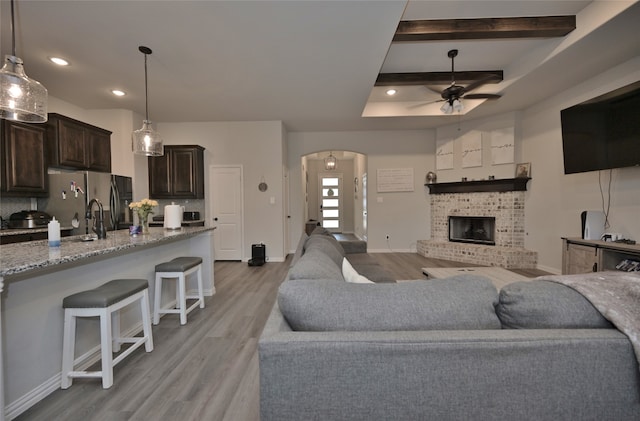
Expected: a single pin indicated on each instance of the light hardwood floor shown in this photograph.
(207, 369)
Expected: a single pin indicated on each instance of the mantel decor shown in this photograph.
(502, 185)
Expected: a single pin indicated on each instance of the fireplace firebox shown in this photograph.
(472, 229)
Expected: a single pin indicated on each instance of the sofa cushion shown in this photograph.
(315, 264)
(299, 249)
(374, 272)
(461, 302)
(353, 246)
(350, 274)
(321, 231)
(325, 245)
(361, 259)
(546, 305)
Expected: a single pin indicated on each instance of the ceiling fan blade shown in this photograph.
(434, 90)
(422, 104)
(482, 96)
(477, 84)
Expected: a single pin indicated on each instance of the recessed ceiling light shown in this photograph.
(59, 61)
(391, 92)
(118, 92)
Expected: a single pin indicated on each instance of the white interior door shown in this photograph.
(330, 199)
(364, 207)
(227, 209)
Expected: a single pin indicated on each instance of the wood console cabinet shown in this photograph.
(24, 165)
(78, 145)
(178, 174)
(583, 256)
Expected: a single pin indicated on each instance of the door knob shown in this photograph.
(215, 219)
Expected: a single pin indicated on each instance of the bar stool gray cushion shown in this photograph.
(179, 264)
(105, 295)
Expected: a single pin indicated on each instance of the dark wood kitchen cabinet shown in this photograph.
(24, 165)
(78, 145)
(178, 174)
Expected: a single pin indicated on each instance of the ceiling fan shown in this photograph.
(453, 94)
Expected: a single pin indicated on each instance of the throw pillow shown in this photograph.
(351, 275)
(461, 302)
(546, 305)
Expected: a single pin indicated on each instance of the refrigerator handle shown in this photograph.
(114, 204)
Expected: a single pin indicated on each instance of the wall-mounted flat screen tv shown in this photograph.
(603, 132)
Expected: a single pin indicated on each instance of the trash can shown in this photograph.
(258, 255)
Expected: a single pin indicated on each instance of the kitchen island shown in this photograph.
(34, 279)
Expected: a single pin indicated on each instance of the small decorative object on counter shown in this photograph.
(431, 177)
(54, 233)
(173, 216)
(144, 208)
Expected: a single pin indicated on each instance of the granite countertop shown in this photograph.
(18, 231)
(33, 255)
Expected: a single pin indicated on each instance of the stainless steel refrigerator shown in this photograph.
(71, 191)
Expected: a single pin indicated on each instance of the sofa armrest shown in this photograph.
(500, 374)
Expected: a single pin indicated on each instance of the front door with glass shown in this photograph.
(330, 199)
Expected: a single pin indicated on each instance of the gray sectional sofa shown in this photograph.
(320, 256)
(450, 349)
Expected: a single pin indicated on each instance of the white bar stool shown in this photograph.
(105, 302)
(178, 268)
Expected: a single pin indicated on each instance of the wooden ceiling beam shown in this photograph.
(438, 78)
(484, 28)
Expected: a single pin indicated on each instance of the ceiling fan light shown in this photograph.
(446, 108)
(458, 106)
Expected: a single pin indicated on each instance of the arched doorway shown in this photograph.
(335, 198)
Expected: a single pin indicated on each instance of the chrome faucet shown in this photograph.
(100, 230)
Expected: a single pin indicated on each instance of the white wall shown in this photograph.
(257, 146)
(484, 126)
(555, 200)
(404, 216)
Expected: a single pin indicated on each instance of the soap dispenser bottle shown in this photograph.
(54, 233)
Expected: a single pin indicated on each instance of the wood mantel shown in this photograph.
(501, 185)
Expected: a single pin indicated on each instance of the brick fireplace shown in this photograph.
(507, 207)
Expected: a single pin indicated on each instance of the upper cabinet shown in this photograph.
(78, 145)
(24, 166)
(178, 174)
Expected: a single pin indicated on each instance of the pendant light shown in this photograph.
(146, 141)
(21, 98)
(330, 162)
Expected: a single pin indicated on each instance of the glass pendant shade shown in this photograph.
(21, 98)
(330, 162)
(146, 141)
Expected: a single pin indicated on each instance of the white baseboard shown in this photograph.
(20, 405)
(86, 360)
(390, 251)
(549, 269)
